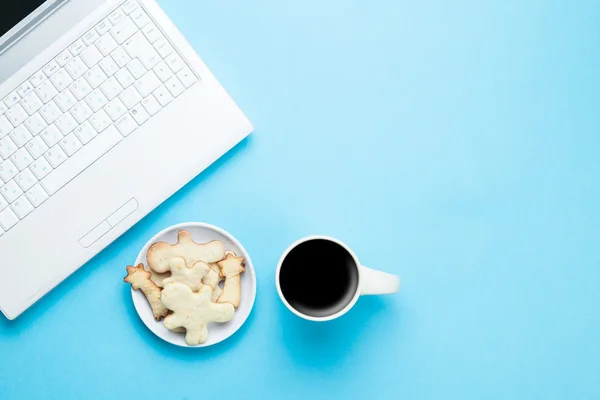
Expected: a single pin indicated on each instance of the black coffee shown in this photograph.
(318, 278)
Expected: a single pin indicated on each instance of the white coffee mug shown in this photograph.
(370, 281)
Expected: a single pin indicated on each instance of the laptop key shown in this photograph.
(126, 124)
(21, 158)
(77, 47)
(61, 80)
(175, 87)
(130, 97)
(70, 144)
(103, 27)
(26, 180)
(8, 219)
(151, 105)
(109, 66)
(151, 32)
(66, 123)
(90, 37)
(115, 109)
(16, 115)
(7, 147)
(11, 191)
(36, 147)
(25, 88)
(37, 78)
(81, 111)
(50, 68)
(5, 126)
(36, 195)
(106, 44)
(35, 124)
(129, 7)
(46, 91)
(95, 76)
(116, 17)
(187, 77)
(3, 203)
(80, 88)
(140, 114)
(96, 100)
(22, 207)
(140, 17)
(121, 57)
(63, 58)
(8, 171)
(85, 132)
(20, 136)
(55, 156)
(51, 135)
(40, 168)
(163, 96)
(136, 68)
(100, 121)
(111, 88)
(147, 83)
(91, 56)
(31, 103)
(123, 30)
(76, 68)
(66, 100)
(50, 112)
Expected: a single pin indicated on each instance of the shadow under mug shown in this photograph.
(369, 281)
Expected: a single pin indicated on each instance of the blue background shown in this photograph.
(453, 143)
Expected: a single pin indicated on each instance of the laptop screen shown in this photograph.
(14, 11)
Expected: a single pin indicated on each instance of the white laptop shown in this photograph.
(105, 111)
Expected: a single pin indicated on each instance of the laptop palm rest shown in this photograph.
(110, 222)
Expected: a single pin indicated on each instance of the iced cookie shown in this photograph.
(212, 279)
(192, 276)
(212, 276)
(193, 311)
(140, 280)
(160, 253)
(231, 268)
(158, 277)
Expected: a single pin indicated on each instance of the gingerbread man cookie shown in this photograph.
(193, 311)
(192, 276)
(140, 280)
(157, 277)
(160, 253)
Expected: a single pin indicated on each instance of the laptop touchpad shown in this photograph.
(83, 206)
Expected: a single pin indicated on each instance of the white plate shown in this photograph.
(201, 233)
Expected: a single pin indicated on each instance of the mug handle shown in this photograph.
(377, 282)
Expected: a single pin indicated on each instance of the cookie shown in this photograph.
(160, 253)
(140, 280)
(192, 276)
(193, 311)
(157, 277)
(217, 291)
(231, 268)
(214, 278)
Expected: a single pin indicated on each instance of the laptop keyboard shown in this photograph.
(81, 104)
